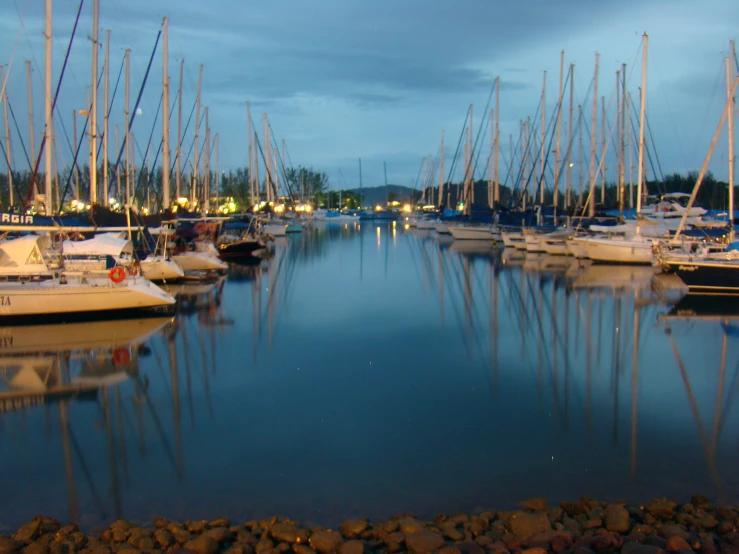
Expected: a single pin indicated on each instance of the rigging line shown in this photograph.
(280, 162)
(672, 120)
(7, 159)
(20, 136)
(15, 48)
(53, 105)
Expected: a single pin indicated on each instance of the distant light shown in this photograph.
(139, 111)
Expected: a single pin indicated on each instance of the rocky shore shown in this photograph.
(583, 527)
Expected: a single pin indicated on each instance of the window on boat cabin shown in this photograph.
(35, 256)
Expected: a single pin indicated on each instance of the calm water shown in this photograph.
(369, 372)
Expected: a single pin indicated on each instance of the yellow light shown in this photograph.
(406, 226)
(73, 202)
(407, 208)
(280, 208)
(182, 200)
(378, 208)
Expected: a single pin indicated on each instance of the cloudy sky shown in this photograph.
(380, 80)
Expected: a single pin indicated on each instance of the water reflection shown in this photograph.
(367, 369)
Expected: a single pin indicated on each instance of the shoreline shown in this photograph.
(582, 527)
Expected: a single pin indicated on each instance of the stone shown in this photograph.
(325, 541)
(469, 547)
(10, 545)
(164, 538)
(353, 528)
(449, 550)
(242, 535)
(160, 522)
(29, 531)
(196, 526)
(478, 525)
(617, 518)
(352, 547)
(698, 500)
(203, 545)
(35, 548)
(705, 521)
(672, 530)
(303, 549)
(675, 543)
(526, 525)
(264, 545)
(534, 505)
(180, 535)
(219, 534)
(287, 532)
(636, 548)
(220, 522)
(555, 514)
(534, 551)
(452, 533)
(426, 541)
(408, 526)
(661, 508)
(592, 523)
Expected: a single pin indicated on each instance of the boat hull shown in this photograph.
(159, 269)
(471, 233)
(712, 277)
(199, 261)
(618, 251)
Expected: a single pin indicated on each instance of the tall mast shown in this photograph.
(568, 195)
(165, 117)
(8, 151)
(30, 121)
(126, 132)
(94, 106)
(361, 186)
(267, 160)
(593, 127)
(603, 150)
(622, 168)
(490, 164)
(729, 81)
(496, 197)
(543, 137)
(580, 164)
(631, 151)
(557, 153)
(206, 185)
(619, 160)
(106, 80)
(251, 152)
(470, 176)
(76, 167)
(642, 108)
(218, 175)
(118, 166)
(196, 159)
(256, 170)
(47, 112)
(441, 172)
(178, 152)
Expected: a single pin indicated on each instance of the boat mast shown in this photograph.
(557, 153)
(267, 161)
(165, 117)
(603, 168)
(8, 152)
(251, 153)
(30, 121)
(47, 113)
(622, 166)
(543, 139)
(470, 169)
(196, 162)
(76, 167)
(642, 108)
(218, 175)
(178, 152)
(496, 195)
(206, 186)
(568, 195)
(729, 79)
(94, 105)
(106, 114)
(256, 170)
(593, 127)
(126, 134)
(117, 167)
(491, 194)
(441, 172)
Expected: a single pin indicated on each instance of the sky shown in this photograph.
(342, 80)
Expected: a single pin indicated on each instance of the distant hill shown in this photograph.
(379, 195)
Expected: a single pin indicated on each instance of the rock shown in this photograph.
(242, 535)
(394, 542)
(426, 541)
(325, 541)
(672, 530)
(452, 533)
(287, 532)
(654, 540)
(160, 522)
(636, 548)
(352, 547)
(574, 508)
(408, 526)
(449, 550)
(555, 514)
(10, 545)
(592, 523)
(526, 525)
(661, 508)
(182, 551)
(219, 534)
(675, 543)
(196, 526)
(29, 531)
(303, 549)
(617, 518)
(726, 527)
(180, 535)
(220, 522)
(353, 528)
(469, 547)
(202, 545)
(478, 525)
(164, 538)
(534, 505)
(705, 521)
(698, 500)
(534, 551)
(264, 545)
(35, 548)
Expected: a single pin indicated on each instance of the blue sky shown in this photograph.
(343, 79)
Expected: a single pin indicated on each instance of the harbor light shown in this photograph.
(407, 208)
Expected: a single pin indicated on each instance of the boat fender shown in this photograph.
(121, 357)
(117, 274)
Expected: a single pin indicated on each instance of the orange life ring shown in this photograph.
(117, 274)
(121, 357)
(200, 228)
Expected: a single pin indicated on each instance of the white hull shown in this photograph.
(636, 250)
(79, 295)
(514, 240)
(575, 249)
(199, 261)
(156, 268)
(534, 243)
(555, 246)
(471, 233)
(441, 228)
(276, 230)
(425, 224)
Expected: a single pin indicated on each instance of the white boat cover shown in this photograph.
(101, 245)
